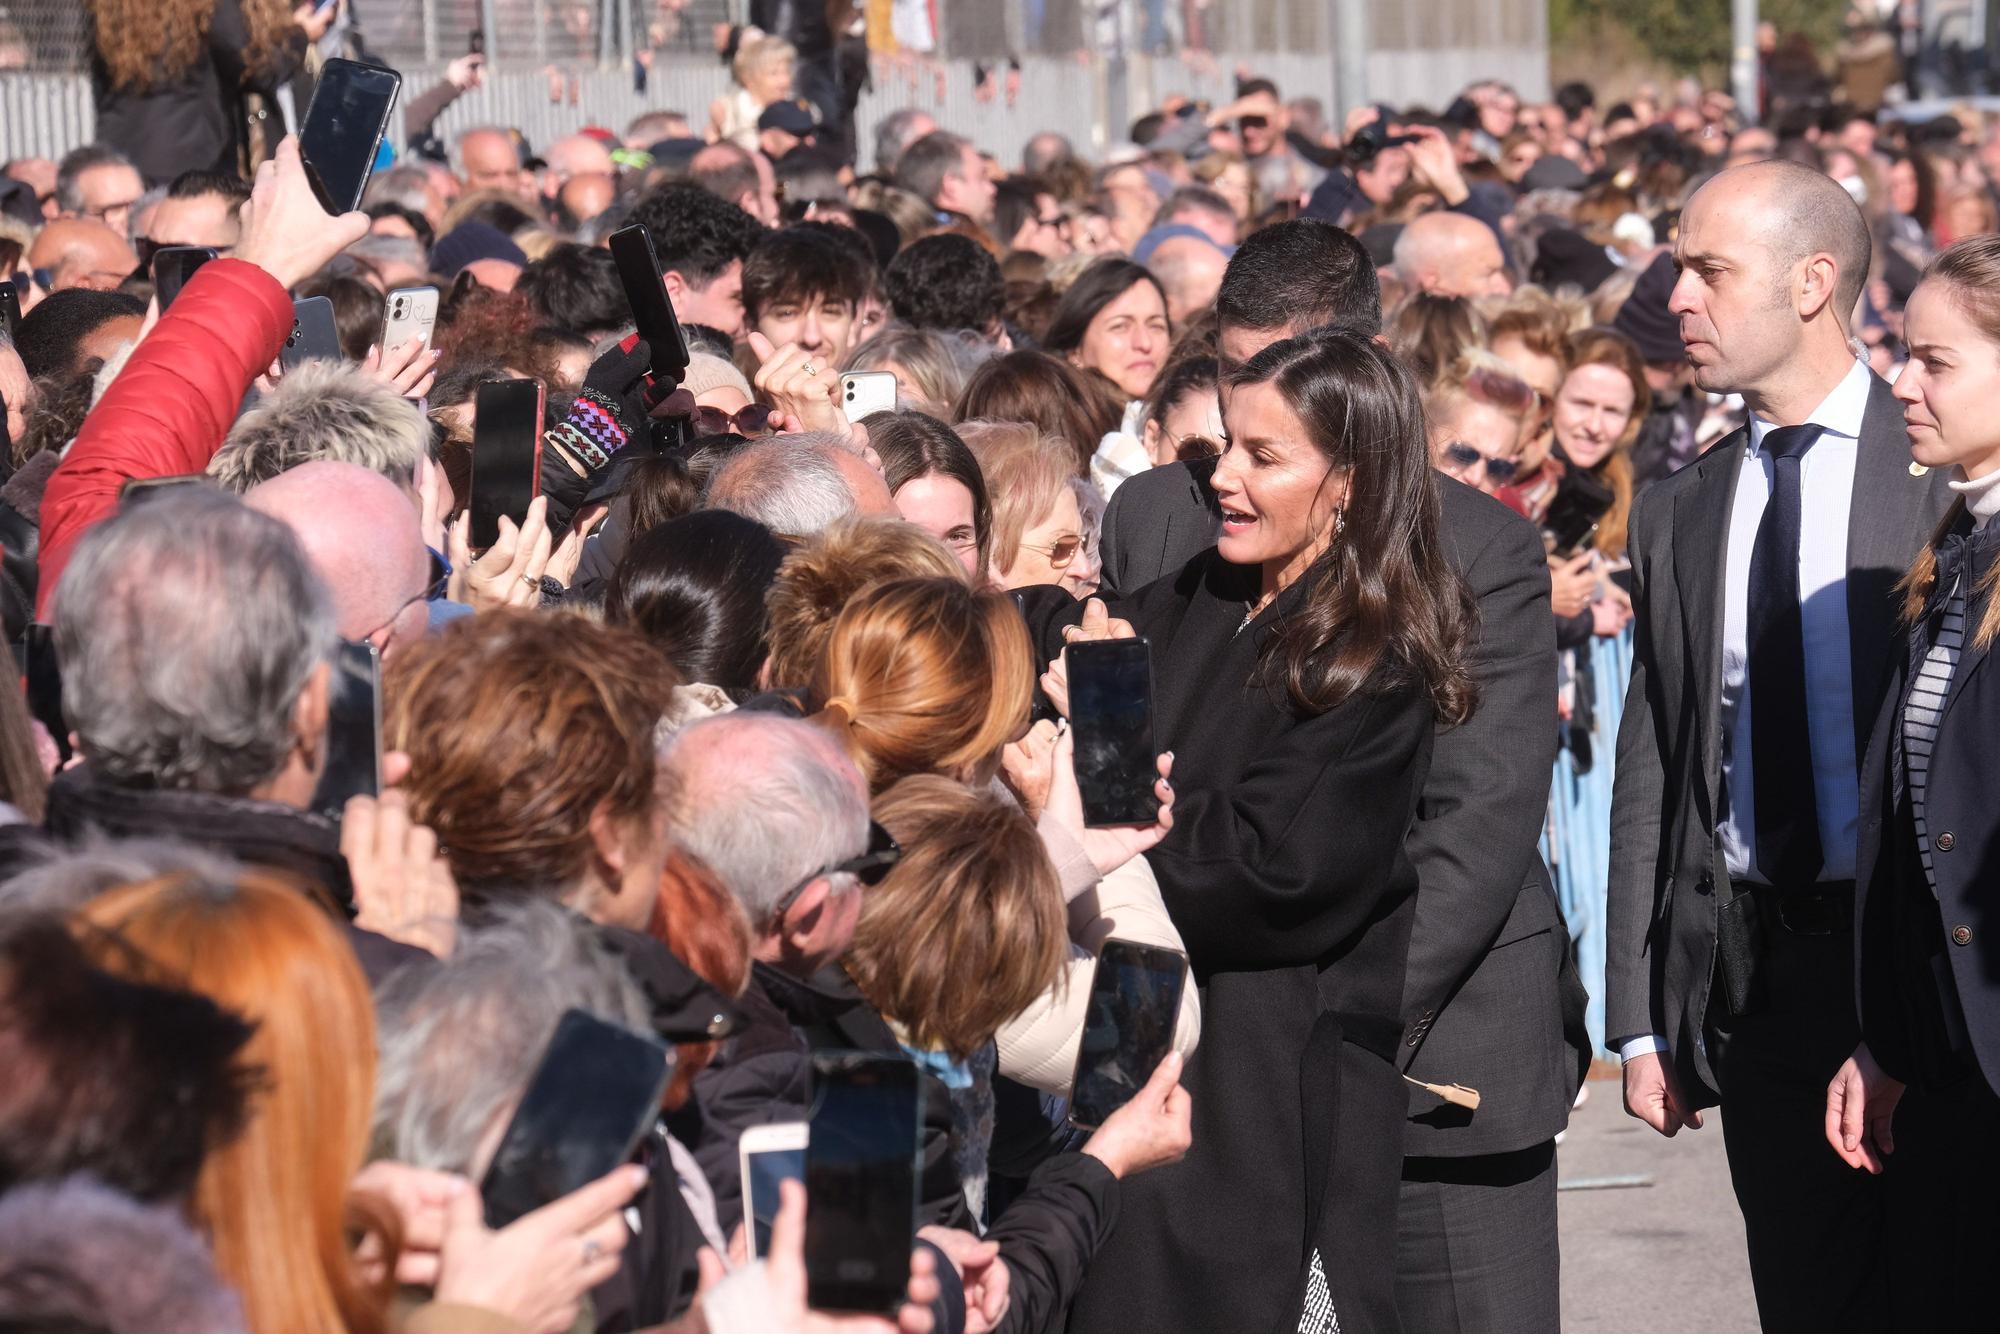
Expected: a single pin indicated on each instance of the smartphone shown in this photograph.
(409, 312)
(865, 393)
(10, 309)
(44, 681)
(173, 266)
(646, 292)
(1111, 711)
(861, 1182)
(353, 729)
(343, 130)
(1128, 1027)
(768, 1155)
(475, 42)
(594, 1096)
(506, 455)
(314, 335)
(137, 490)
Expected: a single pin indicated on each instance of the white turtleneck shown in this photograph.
(1982, 497)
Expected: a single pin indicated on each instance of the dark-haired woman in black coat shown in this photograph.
(1299, 670)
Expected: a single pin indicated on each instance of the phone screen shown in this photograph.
(861, 1182)
(1111, 710)
(343, 130)
(353, 729)
(596, 1092)
(506, 455)
(652, 311)
(1128, 1027)
(45, 685)
(173, 266)
(764, 1171)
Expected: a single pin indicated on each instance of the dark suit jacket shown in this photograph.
(1901, 926)
(1666, 863)
(1491, 1000)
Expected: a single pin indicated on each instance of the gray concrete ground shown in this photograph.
(1664, 1258)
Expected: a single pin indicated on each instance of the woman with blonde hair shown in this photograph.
(832, 569)
(1477, 410)
(1038, 533)
(762, 67)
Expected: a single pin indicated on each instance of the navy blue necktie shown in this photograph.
(1788, 847)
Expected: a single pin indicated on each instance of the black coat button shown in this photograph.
(1961, 935)
(1945, 841)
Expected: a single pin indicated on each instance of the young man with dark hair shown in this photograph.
(1305, 274)
(577, 287)
(200, 209)
(803, 286)
(701, 242)
(946, 282)
(1027, 217)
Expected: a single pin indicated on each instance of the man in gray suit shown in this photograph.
(1491, 1000)
(1763, 578)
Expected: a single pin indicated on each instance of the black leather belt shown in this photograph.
(1822, 909)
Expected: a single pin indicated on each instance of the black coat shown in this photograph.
(196, 119)
(1287, 875)
(1910, 943)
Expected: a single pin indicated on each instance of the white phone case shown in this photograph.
(409, 312)
(864, 393)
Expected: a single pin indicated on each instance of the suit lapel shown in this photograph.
(1701, 560)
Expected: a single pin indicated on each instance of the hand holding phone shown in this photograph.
(861, 1181)
(646, 293)
(865, 393)
(286, 230)
(343, 130)
(1111, 713)
(768, 1157)
(1128, 1029)
(506, 456)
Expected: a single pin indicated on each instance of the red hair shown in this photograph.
(704, 926)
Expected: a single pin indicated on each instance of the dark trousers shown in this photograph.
(1815, 1225)
(1476, 1244)
(1944, 1209)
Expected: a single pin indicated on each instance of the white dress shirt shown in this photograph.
(1826, 490)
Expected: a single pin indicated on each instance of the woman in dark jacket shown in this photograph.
(1929, 847)
(1299, 671)
(171, 78)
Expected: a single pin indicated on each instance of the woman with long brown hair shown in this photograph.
(1300, 670)
(171, 78)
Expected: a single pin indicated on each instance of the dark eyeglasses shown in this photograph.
(1252, 122)
(1463, 455)
(752, 420)
(1063, 550)
(870, 868)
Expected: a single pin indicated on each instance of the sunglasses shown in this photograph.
(752, 420)
(870, 868)
(1063, 550)
(1252, 122)
(1463, 455)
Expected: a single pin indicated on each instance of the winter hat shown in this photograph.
(706, 371)
(1645, 319)
(1565, 258)
(470, 242)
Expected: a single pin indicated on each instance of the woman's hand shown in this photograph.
(800, 385)
(1098, 623)
(981, 1272)
(1572, 583)
(285, 232)
(314, 20)
(1028, 765)
(409, 368)
(1610, 614)
(467, 72)
(1152, 1130)
(1110, 848)
(422, 1200)
(509, 573)
(537, 1269)
(403, 888)
(434, 501)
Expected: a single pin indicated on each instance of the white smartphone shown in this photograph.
(865, 393)
(769, 1155)
(409, 312)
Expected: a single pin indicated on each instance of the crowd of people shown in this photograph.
(1466, 471)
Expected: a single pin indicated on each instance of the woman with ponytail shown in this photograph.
(1929, 847)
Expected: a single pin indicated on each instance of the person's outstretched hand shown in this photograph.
(403, 887)
(508, 573)
(1152, 1130)
(1860, 1112)
(409, 368)
(981, 1272)
(1109, 848)
(1653, 1095)
(1098, 623)
(285, 231)
(799, 384)
(537, 1269)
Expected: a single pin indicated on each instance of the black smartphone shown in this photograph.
(475, 43)
(343, 130)
(646, 292)
(1128, 1027)
(1111, 711)
(10, 309)
(861, 1182)
(173, 266)
(506, 456)
(595, 1094)
(353, 729)
(314, 336)
(44, 675)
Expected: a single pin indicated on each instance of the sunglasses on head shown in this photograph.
(1463, 455)
(870, 867)
(752, 420)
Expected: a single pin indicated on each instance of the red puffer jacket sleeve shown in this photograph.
(167, 412)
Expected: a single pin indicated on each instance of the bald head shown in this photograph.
(1450, 254)
(361, 535)
(1190, 268)
(577, 155)
(82, 252)
(1798, 213)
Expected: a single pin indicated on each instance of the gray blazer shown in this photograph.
(1492, 1000)
(1666, 861)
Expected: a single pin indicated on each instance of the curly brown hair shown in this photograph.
(144, 45)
